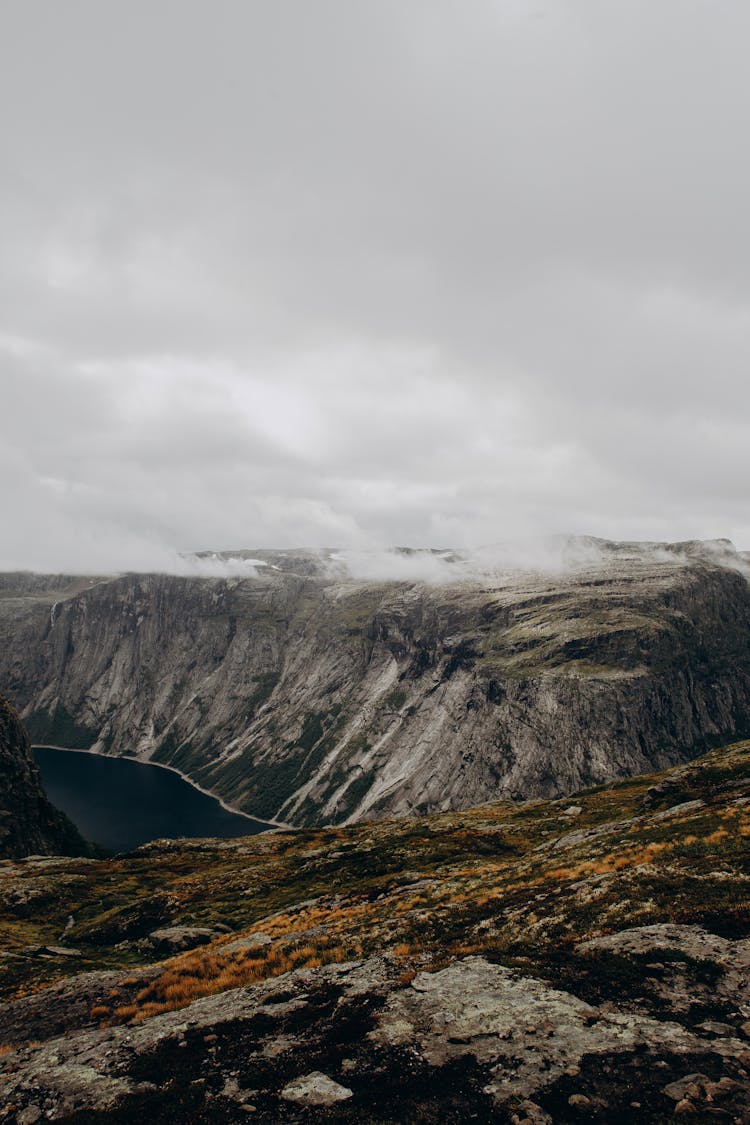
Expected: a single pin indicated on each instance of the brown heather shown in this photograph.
(509, 881)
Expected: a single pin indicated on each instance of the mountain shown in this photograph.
(583, 960)
(314, 690)
(29, 824)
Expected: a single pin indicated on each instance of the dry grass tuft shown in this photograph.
(205, 973)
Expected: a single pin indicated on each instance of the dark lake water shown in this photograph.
(120, 804)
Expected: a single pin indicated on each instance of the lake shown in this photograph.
(119, 803)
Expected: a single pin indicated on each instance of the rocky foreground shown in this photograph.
(309, 696)
(581, 960)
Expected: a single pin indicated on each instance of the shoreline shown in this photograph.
(276, 825)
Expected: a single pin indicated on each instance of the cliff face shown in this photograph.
(29, 824)
(317, 699)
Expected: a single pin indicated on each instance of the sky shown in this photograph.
(366, 272)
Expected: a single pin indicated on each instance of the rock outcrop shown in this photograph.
(314, 698)
(29, 824)
(473, 1041)
(495, 965)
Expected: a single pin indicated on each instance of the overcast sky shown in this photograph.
(341, 272)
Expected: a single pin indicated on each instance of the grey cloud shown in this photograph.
(368, 273)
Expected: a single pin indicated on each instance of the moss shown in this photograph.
(355, 612)
(270, 785)
(167, 747)
(312, 730)
(59, 728)
(266, 682)
(573, 637)
(395, 700)
(354, 792)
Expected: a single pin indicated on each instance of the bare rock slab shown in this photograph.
(315, 1088)
(177, 939)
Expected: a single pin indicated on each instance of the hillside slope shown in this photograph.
(572, 961)
(29, 824)
(314, 698)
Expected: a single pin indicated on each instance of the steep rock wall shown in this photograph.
(319, 701)
(29, 824)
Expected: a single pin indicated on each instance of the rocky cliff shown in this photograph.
(306, 695)
(29, 824)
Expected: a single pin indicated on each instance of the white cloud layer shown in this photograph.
(350, 275)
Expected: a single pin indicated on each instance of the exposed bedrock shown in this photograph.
(318, 699)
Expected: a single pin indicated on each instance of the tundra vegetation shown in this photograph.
(230, 968)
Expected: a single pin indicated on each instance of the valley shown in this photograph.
(118, 803)
(305, 695)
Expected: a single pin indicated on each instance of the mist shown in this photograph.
(364, 275)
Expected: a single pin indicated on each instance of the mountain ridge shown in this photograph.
(317, 697)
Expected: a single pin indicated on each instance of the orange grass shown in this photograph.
(191, 976)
